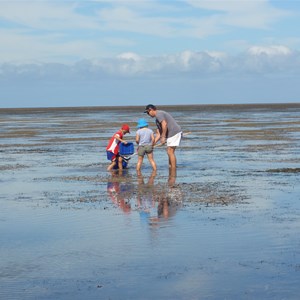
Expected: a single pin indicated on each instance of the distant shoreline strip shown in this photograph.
(190, 107)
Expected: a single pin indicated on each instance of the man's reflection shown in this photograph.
(158, 202)
(169, 200)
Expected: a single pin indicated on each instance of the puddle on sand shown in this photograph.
(227, 228)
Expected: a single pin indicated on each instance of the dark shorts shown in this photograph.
(111, 156)
(146, 149)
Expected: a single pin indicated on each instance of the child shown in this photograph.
(112, 148)
(145, 139)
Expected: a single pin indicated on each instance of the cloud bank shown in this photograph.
(257, 60)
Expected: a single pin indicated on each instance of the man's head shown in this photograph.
(150, 109)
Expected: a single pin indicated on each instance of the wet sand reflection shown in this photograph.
(120, 191)
(155, 202)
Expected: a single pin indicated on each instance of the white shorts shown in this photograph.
(174, 140)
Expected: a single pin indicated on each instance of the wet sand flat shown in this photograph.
(226, 228)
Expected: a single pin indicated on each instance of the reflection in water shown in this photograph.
(155, 202)
(169, 200)
(146, 197)
(120, 190)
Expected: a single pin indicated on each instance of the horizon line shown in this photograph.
(126, 107)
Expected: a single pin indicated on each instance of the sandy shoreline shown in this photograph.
(188, 107)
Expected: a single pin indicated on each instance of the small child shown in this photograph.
(112, 149)
(145, 139)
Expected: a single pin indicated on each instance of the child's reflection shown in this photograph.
(145, 196)
(119, 190)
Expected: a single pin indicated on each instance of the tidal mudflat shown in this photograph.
(227, 228)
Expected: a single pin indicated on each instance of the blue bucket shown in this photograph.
(126, 149)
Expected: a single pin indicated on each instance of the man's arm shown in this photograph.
(157, 137)
(152, 139)
(164, 128)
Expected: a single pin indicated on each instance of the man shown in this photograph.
(168, 131)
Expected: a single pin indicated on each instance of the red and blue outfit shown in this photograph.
(112, 148)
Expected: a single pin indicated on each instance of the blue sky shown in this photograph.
(119, 52)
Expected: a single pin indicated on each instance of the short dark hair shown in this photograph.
(149, 106)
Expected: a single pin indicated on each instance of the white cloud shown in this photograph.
(19, 47)
(68, 30)
(189, 63)
(243, 13)
(130, 56)
(45, 15)
(272, 59)
(270, 51)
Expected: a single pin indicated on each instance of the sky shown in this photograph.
(166, 52)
